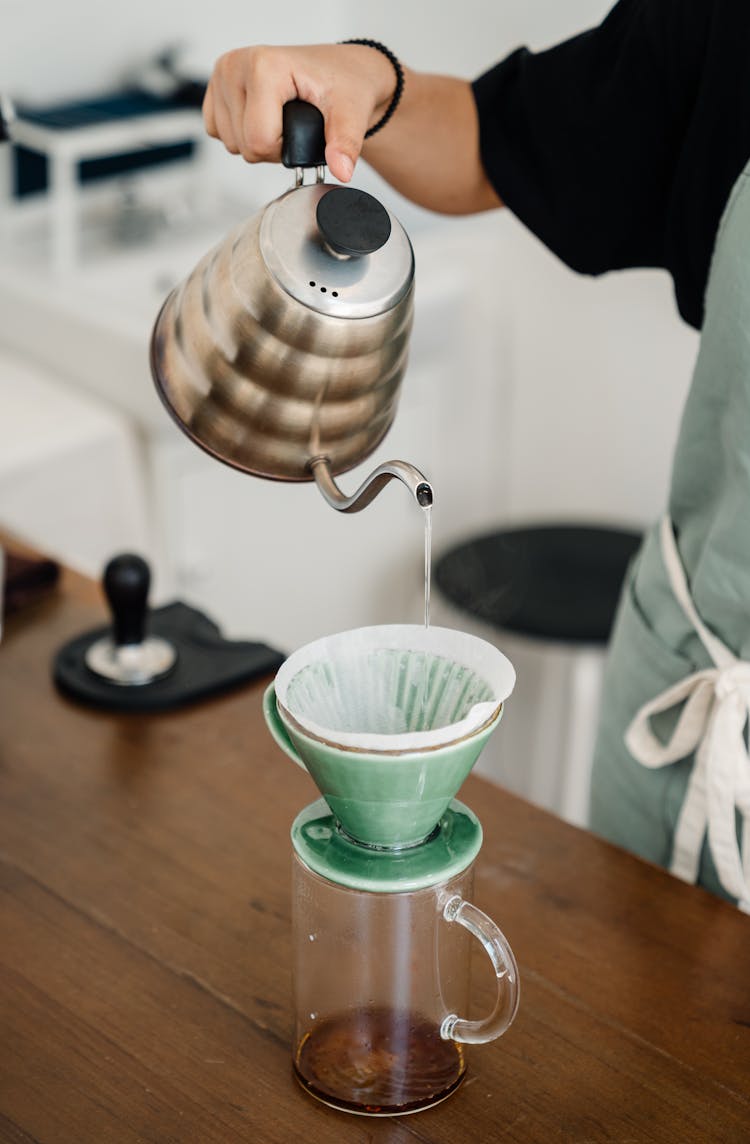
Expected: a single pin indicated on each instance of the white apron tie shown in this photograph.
(711, 724)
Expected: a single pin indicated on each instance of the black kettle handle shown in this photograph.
(303, 139)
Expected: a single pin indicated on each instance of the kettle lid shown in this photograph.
(337, 250)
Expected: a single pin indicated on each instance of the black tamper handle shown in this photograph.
(127, 579)
(303, 135)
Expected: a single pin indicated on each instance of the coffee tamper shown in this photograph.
(128, 656)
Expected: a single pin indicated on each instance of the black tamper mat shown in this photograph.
(205, 663)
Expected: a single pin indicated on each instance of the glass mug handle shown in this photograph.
(455, 1028)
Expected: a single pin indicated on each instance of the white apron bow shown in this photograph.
(711, 724)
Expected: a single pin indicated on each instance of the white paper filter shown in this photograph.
(397, 687)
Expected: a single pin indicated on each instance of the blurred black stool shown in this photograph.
(547, 596)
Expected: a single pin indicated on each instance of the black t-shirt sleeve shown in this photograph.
(585, 142)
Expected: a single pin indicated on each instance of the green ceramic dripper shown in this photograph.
(389, 721)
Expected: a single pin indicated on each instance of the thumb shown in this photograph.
(345, 134)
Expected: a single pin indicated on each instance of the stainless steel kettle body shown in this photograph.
(282, 353)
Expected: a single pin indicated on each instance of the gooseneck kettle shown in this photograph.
(282, 353)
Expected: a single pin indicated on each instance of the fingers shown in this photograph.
(209, 120)
(217, 118)
(243, 104)
(225, 125)
(345, 127)
(249, 87)
(223, 106)
(262, 125)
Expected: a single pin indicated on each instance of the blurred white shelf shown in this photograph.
(66, 148)
(74, 144)
(71, 473)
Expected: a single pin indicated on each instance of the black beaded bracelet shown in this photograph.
(399, 81)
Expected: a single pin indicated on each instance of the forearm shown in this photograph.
(429, 150)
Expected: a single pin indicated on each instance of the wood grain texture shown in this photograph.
(145, 933)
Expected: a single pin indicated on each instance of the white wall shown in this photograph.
(53, 48)
(599, 371)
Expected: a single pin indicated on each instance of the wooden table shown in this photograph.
(145, 945)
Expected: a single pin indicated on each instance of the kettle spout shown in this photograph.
(415, 481)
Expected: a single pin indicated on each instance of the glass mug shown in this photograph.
(381, 989)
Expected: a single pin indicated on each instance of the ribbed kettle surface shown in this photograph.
(264, 383)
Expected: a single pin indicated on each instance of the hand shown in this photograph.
(350, 84)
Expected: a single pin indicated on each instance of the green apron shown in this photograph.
(671, 775)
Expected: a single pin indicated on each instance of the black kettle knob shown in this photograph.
(127, 579)
(352, 222)
(303, 135)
